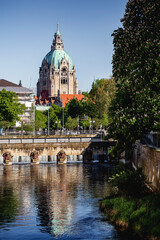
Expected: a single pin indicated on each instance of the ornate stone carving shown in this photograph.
(61, 157)
(34, 156)
(7, 158)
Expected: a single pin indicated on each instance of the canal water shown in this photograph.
(50, 201)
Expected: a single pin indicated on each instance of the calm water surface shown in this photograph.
(53, 202)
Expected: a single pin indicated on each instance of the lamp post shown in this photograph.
(21, 127)
(91, 125)
(63, 121)
(48, 121)
(34, 120)
(101, 131)
(77, 124)
(57, 122)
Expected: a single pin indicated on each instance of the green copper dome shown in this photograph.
(55, 57)
(57, 53)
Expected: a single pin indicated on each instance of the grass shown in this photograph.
(139, 215)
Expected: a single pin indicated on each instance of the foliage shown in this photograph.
(27, 127)
(89, 108)
(57, 110)
(104, 93)
(95, 86)
(86, 94)
(136, 70)
(40, 120)
(85, 123)
(53, 118)
(129, 182)
(10, 108)
(6, 124)
(74, 108)
(71, 123)
(141, 216)
(8, 204)
(54, 113)
(95, 104)
(105, 120)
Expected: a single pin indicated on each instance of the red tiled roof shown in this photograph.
(5, 83)
(65, 98)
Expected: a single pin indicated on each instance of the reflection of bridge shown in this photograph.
(48, 146)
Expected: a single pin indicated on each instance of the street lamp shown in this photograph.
(77, 124)
(48, 121)
(91, 127)
(101, 131)
(34, 120)
(63, 120)
(57, 122)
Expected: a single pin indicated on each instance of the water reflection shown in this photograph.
(58, 201)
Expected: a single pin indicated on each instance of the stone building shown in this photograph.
(57, 73)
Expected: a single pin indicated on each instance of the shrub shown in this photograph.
(129, 182)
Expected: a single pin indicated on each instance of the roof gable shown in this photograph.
(5, 83)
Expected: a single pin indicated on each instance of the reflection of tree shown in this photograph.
(95, 180)
(8, 201)
(8, 205)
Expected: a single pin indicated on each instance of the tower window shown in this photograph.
(63, 81)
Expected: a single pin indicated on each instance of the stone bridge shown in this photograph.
(48, 146)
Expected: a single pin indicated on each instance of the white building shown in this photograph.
(25, 97)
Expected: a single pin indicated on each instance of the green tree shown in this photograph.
(57, 110)
(74, 108)
(94, 88)
(104, 94)
(10, 108)
(104, 120)
(71, 123)
(27, 127)
(96, 123)
(89, 108)
(85, 123)
(40, 120)
(6, 125)
(136, 70)
(54, 112)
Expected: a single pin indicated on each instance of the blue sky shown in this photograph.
(27, 28)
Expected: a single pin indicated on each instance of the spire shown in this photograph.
(57, 41)
(58, 32)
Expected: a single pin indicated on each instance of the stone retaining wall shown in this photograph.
(149, 159)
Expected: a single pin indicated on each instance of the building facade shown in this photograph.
(57, 74)
(25, 97)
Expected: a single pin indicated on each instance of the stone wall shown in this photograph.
(149, 159)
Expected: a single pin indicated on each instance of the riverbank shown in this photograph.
(139, 215)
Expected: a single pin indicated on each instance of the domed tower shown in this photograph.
(57, 72)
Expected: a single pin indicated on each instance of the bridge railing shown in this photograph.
(49, 140)
(13, 132)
